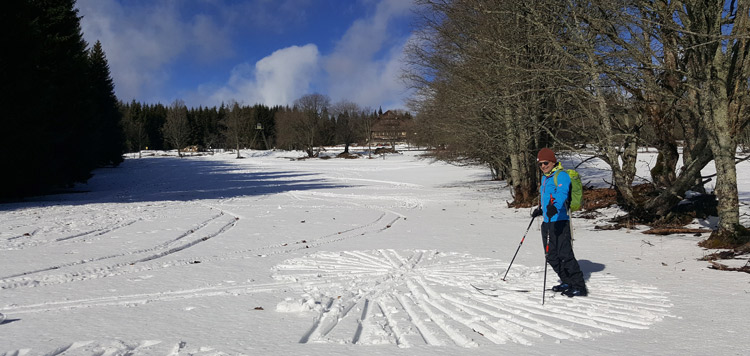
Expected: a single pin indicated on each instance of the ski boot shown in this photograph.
(576, 292)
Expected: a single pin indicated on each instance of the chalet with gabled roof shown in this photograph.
(392, 126)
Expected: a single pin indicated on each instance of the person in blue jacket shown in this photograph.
(556, 235)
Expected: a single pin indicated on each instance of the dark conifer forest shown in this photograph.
(60, 116)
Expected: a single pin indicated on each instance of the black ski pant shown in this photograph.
(560, 254)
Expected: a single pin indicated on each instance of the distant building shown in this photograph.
(391, 127)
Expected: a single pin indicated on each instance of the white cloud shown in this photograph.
(277, 79)
(142, 42)
(286, 74)
(356, 73)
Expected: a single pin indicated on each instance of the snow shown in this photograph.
(271, 255)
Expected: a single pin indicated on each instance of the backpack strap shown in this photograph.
(567, 200)
(555, 177)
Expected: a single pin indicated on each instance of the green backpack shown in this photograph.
(575, 195)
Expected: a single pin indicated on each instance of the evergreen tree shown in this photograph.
(135, 129)
(154, 118)
(265, 117)
(43, 78)
(107, 138)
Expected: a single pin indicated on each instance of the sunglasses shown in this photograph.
(544, 163)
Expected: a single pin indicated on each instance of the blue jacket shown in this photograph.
(559, 194)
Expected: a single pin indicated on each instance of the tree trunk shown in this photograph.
(670, 196)
(622, 174)
(696, 141)
(719, 71)
(522, 167)
(663, 173)
(726, 190)
(723, 146)
(524, 193)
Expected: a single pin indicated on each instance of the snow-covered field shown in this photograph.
(266, 255)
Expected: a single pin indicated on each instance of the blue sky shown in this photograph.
(206, 52)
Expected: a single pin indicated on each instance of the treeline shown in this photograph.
(60, 115)
(145, 125)
(310, 124)
(498, 80)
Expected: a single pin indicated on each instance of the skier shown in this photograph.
(556, 235)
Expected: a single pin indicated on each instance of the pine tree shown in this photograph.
(134, 127)
(44, 84)
(107, 138)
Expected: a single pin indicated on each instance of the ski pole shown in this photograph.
(546, 252)
(519, 247)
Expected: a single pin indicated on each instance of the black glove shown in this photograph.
(551, 210)
(536, 212)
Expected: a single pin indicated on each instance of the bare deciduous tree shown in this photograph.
(689, 65)
(307, 127)
(483, 82)
(716, 38)
(176, 127)
(497, 80)
(348, 116)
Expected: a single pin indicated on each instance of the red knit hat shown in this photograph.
(546, 154)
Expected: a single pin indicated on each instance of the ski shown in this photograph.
(488, 291)
(485, 292)
(483, 288)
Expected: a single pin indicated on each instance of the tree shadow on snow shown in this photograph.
(179, 179)
(588, 267)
